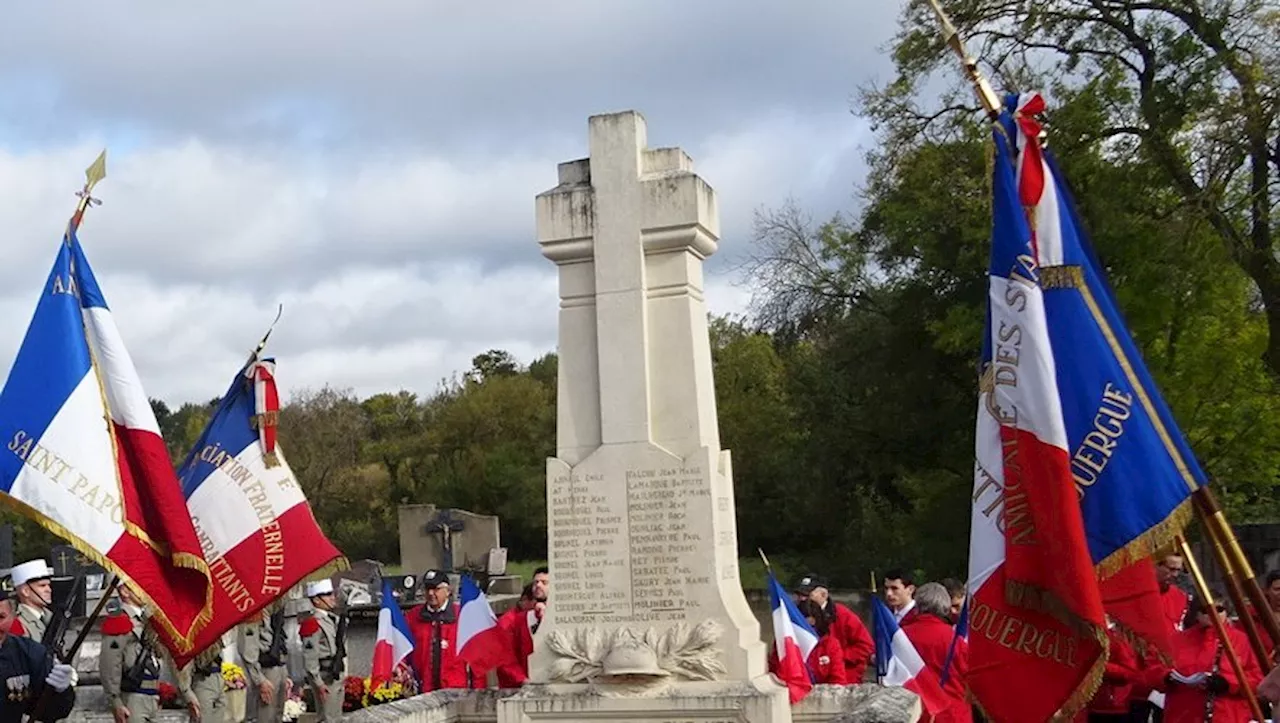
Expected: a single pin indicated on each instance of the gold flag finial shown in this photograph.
(96, 171)
(951, 36)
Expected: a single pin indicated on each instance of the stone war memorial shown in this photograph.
(647, 620)
(647, 616)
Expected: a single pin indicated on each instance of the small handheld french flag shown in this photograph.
(395, 641)
(899, 664)
(481, 643)
(793, 641)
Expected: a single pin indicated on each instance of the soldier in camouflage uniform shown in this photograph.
(322, 647)
(129, 662)
(200, 683)
(264, 648)
(35, 593)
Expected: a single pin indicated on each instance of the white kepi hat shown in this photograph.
(29, 571)
(319, 587)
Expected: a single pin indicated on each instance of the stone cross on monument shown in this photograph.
(646, 618)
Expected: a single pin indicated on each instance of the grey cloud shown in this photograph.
(433, 74)
(375, 169)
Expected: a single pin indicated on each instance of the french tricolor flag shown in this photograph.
(395, 640)
(83, 455)
(793, 641)
(481, 643)
(899, 664)
(252, 518)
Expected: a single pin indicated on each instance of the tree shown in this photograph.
(1191, 87)
(493, 363)
(487, 445)
(323, 434)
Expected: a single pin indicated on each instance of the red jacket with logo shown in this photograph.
(435, 654)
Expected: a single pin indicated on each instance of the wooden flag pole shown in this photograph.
(1232, 580)
(1242, 582)
(1225, 544)
(1221, 628)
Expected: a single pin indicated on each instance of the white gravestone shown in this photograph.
(647, 619)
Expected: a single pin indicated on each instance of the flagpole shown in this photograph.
(1236, 592)
(951, 36)
(94, 173)
(1224, 541)
(1206, 505)
(257, 351)
(1221, 628)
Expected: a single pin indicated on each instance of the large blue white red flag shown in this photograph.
(1038, 637)
(899, 664)
(482, 643)
(793, 641)
(252, 518)
(395, 638)
(1131, 465)
(107, 488)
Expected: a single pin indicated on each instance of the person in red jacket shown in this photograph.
(826, 663)
(520, 623)
(856, 645)
(929, 629)
(1174, 601)
(434, 625)
(1111, 704)
(1201, 684)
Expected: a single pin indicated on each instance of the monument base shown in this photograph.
(760, 701)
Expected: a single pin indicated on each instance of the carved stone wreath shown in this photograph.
(585, 654)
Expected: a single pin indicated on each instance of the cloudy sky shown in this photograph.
(372, 166)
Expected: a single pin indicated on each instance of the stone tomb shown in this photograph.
(647, 620)
(445, 539)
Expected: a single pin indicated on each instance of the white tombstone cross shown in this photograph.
(645, 592)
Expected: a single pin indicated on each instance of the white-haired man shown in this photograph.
(35, 595)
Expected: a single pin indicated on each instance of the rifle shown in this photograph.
(56, 631)
(339, 648)
(45, 695)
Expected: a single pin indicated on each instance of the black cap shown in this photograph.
(807, 584)
(432, 579)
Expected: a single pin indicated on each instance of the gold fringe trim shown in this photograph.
(271, 459)
(1149, 543)
(1038, 599)
(105, 563)
(1061, 277)
(184, 641)
(1088, 687)
(1140, 644)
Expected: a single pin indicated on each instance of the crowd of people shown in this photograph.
(1196, 685)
